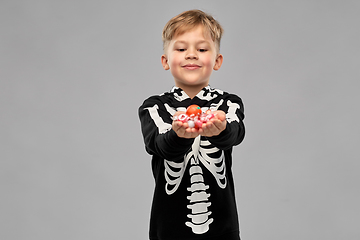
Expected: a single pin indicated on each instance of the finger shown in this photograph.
(181, 130)
(191, 133)
(185, 125)
(220, 115)
(194, 134)
(191, 130)
(177, 125)
(206, 130)
(201, 130)
(220, 125)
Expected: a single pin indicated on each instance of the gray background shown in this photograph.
(73, 73)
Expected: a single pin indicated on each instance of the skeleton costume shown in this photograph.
(194, 195)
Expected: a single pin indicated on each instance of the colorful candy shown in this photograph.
(193, 110)
(194, 117)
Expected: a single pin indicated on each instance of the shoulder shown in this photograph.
(214, 93)
(157, 99)
(227, 101)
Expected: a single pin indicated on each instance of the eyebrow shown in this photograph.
(184, 42)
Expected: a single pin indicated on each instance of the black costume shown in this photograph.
(194, 194)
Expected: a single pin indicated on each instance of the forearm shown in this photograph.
(159, 137)
(233, 135)
(168, 145)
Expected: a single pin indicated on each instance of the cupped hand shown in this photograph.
(215, 125)
(182, 129)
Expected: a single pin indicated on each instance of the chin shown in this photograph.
(195, 82)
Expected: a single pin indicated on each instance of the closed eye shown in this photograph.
(202, 50)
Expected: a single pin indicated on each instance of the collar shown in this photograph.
(207, 93)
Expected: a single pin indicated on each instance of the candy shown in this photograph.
(194, 117)
(183, 118)
(199, 123)
(209, 116)
(191, 123)
(193, 110)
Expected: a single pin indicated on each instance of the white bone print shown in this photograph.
(162, 126)
(231, 115)
(198, 199)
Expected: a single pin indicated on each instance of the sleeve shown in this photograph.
(159, 137)
(234, 132)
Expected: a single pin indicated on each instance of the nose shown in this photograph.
(191, 54)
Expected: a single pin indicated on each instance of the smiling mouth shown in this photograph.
(191, 66)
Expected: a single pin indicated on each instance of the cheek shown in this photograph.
(209, 67)
(209, 61)
(173, 63)
(174, 60)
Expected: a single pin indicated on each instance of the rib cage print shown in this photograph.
(201, 154)
(202, 157)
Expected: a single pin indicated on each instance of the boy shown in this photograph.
(194, 194)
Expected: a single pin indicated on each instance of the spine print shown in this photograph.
(199, 201)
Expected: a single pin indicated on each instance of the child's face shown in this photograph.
(191, 57)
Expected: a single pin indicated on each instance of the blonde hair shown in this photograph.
(188, 20)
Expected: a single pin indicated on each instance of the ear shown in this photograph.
(218, 62)
(164, 62)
